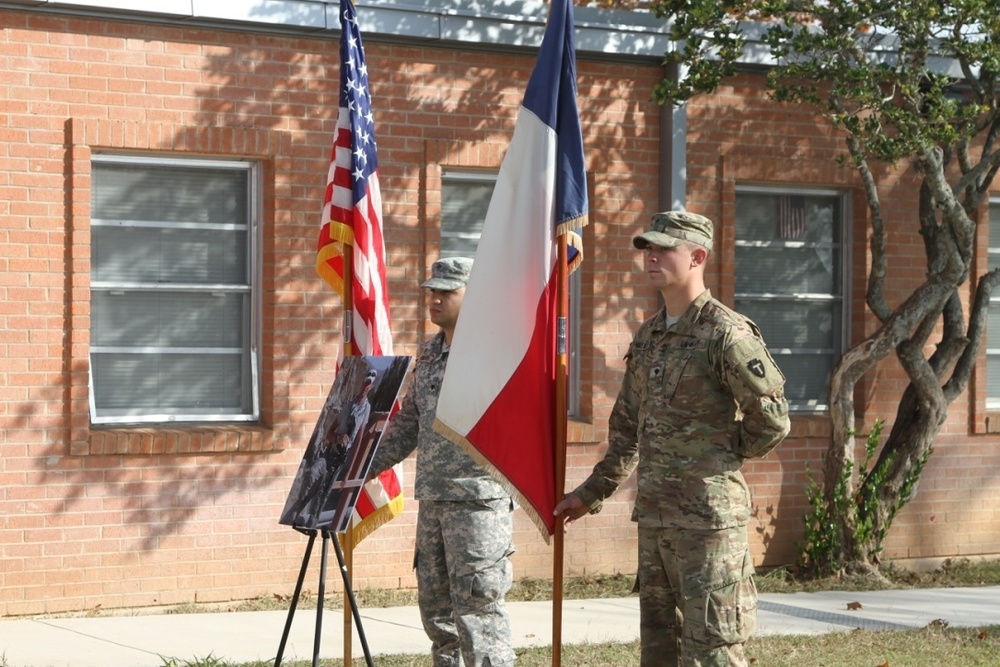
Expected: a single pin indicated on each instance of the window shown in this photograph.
(790, 280)
(174, 303)
(993, 323)
(465, 197)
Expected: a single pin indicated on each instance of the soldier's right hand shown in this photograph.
(571, 508)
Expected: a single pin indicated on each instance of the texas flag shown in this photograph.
(498, 397)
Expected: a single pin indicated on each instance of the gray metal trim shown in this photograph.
(478, 23)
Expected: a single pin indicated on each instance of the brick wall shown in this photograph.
(125, 517)
(739, 137)
(133, 517)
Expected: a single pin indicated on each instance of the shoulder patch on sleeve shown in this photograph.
(749, 359)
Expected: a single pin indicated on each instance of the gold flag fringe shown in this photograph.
(446, 431)
(376, 519)
(573, 240)
(341, 238)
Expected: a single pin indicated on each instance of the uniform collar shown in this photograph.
(689, 316)
(436, 345)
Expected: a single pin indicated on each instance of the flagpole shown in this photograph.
(348, 535)
(562, 364)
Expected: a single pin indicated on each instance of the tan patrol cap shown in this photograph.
(672, 228)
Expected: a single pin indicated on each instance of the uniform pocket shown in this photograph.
(665, 373)
(731, 611)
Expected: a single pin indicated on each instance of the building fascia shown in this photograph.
(508, 25)
(481, 24)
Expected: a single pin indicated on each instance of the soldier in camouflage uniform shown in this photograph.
(701, 394)
(465, 519)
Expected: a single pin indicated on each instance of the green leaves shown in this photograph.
(901, 77)
(853, 508)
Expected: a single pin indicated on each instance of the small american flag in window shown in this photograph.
(791, 216)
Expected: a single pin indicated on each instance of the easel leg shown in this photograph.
(350, 595)
(295, 598)
(320, 598)
(347, 546)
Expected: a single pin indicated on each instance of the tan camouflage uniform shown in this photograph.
(697, 400)
(464, 529)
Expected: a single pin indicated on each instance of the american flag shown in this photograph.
(352, 222)
(791, 216)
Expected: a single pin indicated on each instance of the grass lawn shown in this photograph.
(929, 647)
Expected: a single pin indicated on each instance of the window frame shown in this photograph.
(843, 334)
(252, 334)
(991, 403)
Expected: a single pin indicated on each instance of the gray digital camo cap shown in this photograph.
(672, 228)
(449, 274)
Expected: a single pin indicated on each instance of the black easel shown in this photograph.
(319, 601)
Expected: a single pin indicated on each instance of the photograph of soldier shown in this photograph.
(352, 420)
(348, 429)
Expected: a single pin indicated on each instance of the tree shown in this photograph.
(908, 84)
(615, 4)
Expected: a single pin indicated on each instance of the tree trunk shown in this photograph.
(894, 477)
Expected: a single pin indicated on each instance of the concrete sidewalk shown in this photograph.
(151, 640)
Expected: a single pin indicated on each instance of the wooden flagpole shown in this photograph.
(348, 541)
(562, 365)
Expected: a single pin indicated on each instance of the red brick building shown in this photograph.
(195, 136)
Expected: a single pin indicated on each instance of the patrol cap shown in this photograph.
(449, 274)
(672, 228)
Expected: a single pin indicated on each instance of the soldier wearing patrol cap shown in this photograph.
(465, 519)
(701, 395)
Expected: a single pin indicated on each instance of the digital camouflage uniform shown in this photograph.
(697, 400)
(464, 529)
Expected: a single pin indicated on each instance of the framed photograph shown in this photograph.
(340, 451)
